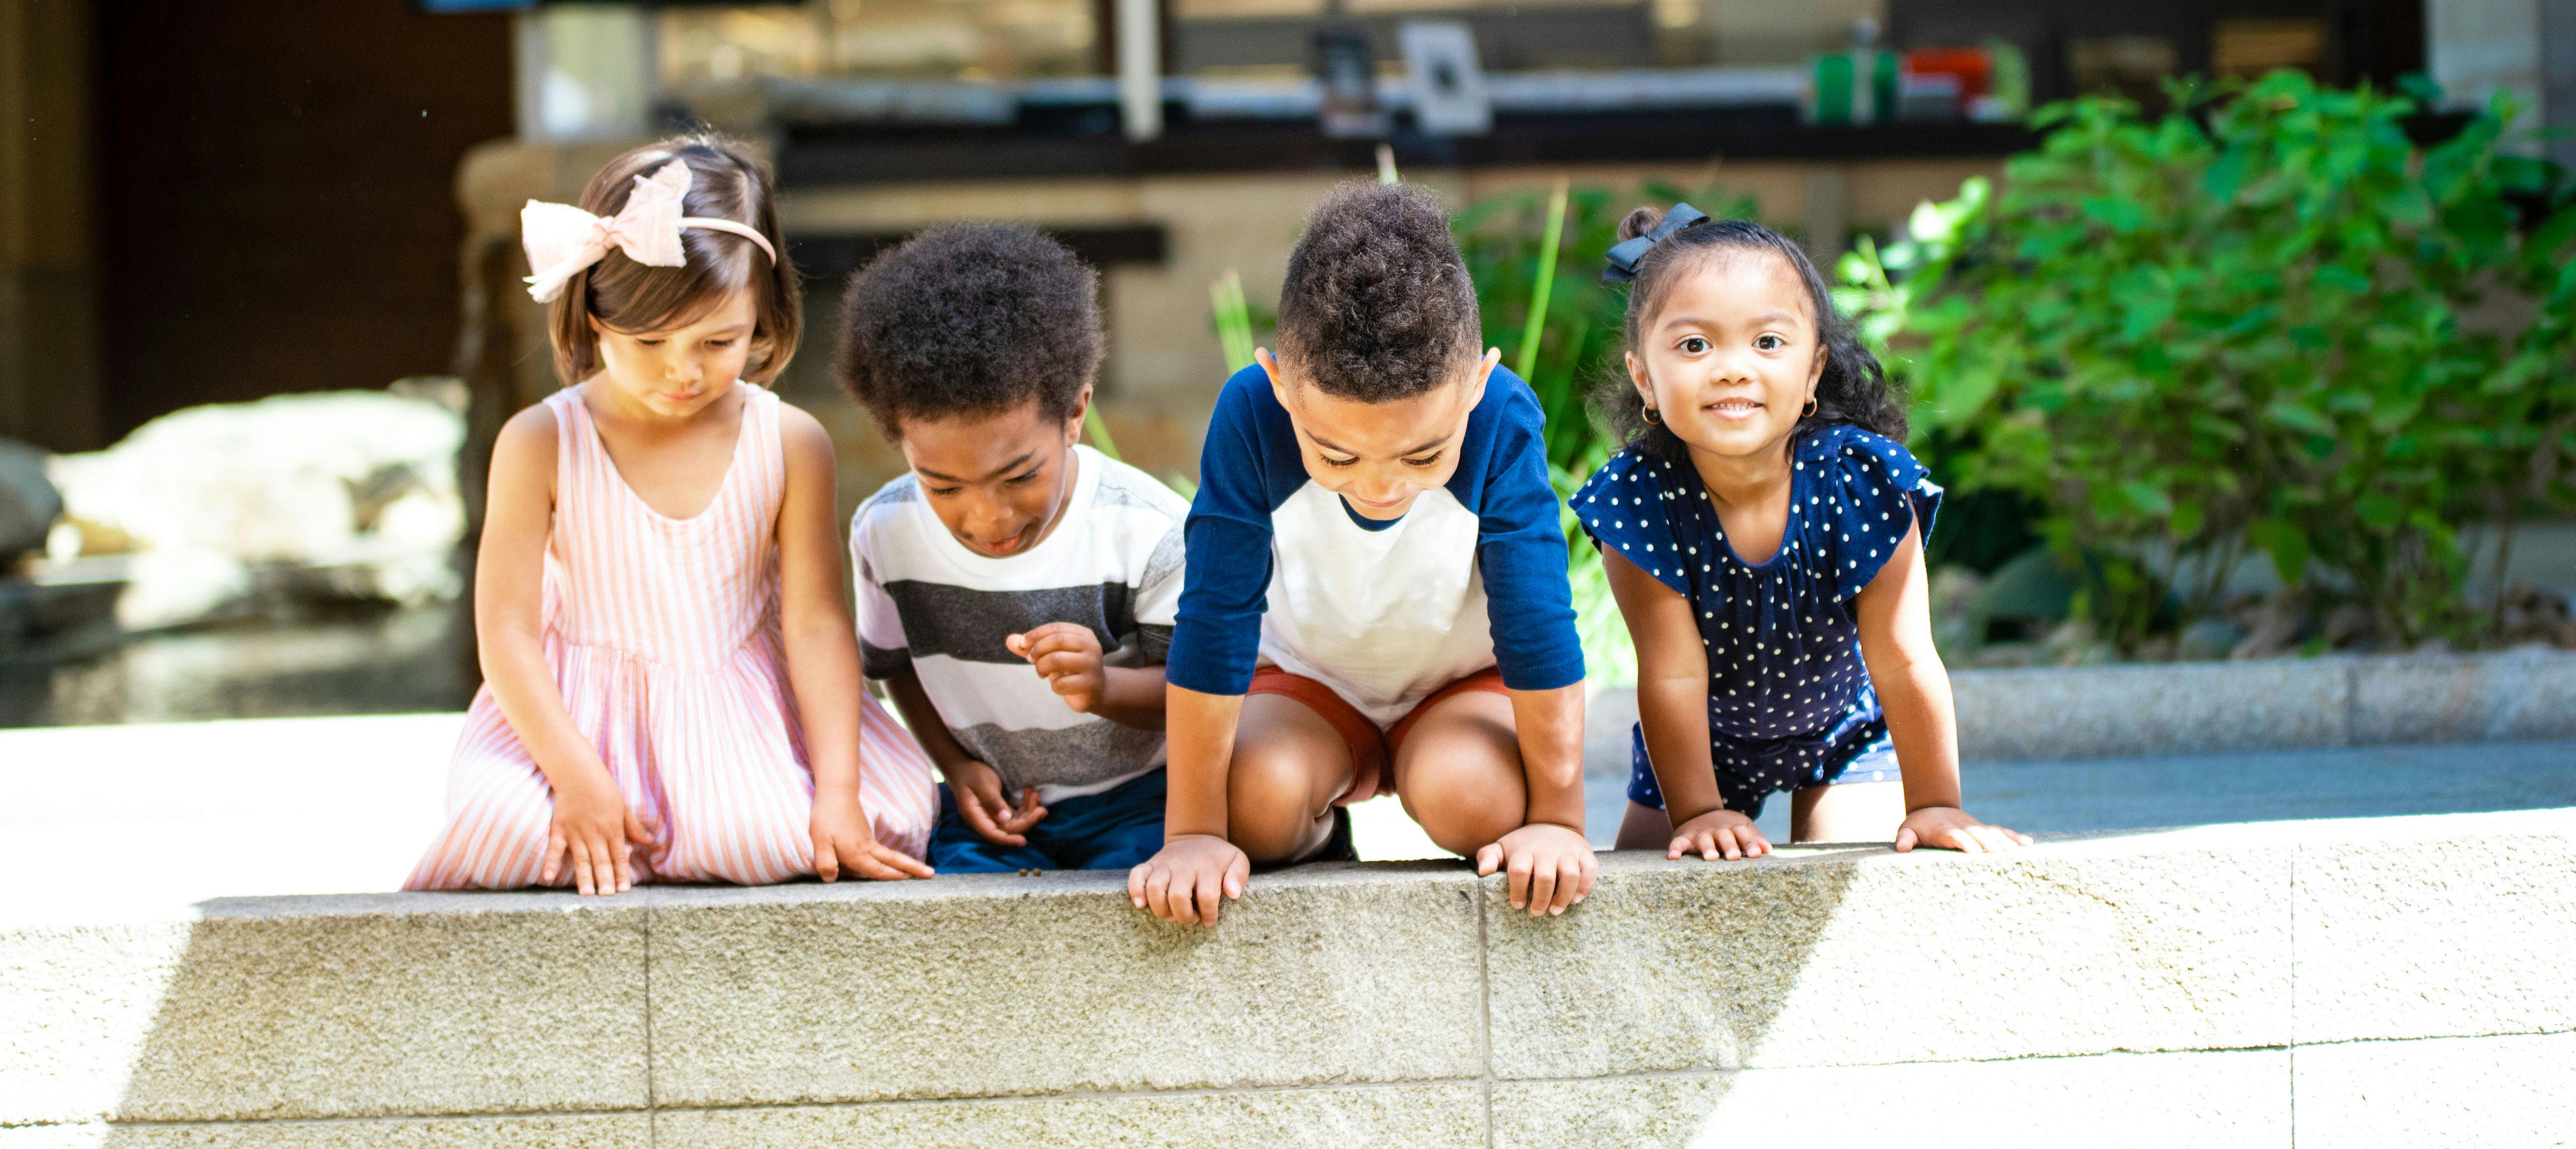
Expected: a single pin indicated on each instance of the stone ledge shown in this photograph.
(1369, 1003)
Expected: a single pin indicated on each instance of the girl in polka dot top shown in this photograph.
(1763, 533)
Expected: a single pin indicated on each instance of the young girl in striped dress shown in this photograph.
(672, 682)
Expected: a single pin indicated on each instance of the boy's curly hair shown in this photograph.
(1853, 388)
(1377, 305)
(969, 319)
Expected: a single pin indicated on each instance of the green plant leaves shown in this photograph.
(2237, 327)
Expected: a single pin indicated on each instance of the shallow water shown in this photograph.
(360, 660)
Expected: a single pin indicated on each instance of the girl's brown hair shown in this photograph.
(725, 183)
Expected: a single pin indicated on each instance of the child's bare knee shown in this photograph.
(1465, 828)
(1271, 805)
(1462, 811)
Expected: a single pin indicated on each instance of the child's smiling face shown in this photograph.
(1379, 457)
(997, 480)
(680, 371)
(1732, 354)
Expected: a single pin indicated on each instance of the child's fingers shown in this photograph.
(603, 865)
(1906, 839)
(556, 850)
(1054, 636)
(1542, 887)
(1058, 665)
(1727, 844)
(984, 813)
(1489, 859)
(904, 865)
(1158, 892)
(618, 853)
(1136, 884)
(1016, 643)
(636, 831)
(1054, 652)
(1237, 872)
(879, 862)
(1211, 892)
(1569, 879)
(1516, 866)
(1996, 838)
(1029, 814)
(827, 857)
(580, 850)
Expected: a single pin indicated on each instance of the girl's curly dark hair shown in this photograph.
(1854, 388)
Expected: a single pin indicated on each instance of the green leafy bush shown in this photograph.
(2266, 322)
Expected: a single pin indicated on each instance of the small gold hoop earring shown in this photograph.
(1810, 412)
(1654, 418)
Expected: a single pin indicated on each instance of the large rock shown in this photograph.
(360, 485)
(28, 502)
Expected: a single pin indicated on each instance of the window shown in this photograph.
(879, 39)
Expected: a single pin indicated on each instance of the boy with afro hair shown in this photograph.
(1016, 589)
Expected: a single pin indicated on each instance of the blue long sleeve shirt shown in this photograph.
(1280, 570)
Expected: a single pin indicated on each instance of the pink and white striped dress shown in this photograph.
(664, 638)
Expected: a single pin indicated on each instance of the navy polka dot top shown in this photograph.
(1789, 698)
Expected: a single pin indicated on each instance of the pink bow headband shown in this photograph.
(562, 239)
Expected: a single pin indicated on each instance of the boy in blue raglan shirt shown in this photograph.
(1376, 597)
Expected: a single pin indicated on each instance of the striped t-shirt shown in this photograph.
(1113, 563)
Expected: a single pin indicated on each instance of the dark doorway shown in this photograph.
(276, 186)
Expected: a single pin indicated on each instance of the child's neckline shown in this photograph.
(724, 481)
(1717, 526)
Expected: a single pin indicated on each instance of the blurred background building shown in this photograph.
(214, 203)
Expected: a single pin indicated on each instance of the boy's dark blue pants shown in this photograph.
(1112, 830)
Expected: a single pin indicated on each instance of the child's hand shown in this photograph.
(1950, 828)
(1068, 657)
(1551, 866)
(1720, 832)
(977, 789)
(842, 838)
(1188, 879)
(594, 827)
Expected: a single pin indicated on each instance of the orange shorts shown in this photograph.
(1372, 753)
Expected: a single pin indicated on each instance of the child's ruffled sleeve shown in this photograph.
(1874, 489)
(1624, 506)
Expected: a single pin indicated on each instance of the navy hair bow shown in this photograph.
(1625, 257)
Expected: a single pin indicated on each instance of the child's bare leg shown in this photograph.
(1289, 765)
(1644, 828)
(1459, 773)
(1850, 812)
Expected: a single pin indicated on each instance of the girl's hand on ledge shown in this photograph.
(1189, 879)
(1719, 833)
(1951, 828)
(842, 840)
(596, 831)
(1551, 866)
